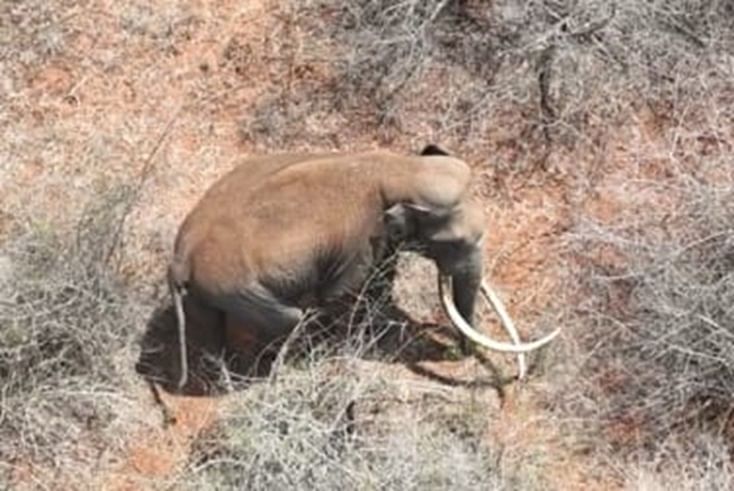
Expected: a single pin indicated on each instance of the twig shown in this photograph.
(148, 166)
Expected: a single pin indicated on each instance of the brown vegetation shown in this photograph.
(601, 135)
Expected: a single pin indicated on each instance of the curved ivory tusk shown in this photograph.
(444, 286)
(509, 326)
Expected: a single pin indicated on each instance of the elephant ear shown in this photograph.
(464, 223)
(416, 221)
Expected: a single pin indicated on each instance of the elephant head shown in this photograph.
(451, 234)
(452, 238)
(287, 232)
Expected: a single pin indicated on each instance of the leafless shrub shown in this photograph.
(653, 313)
(541, 74)
(66, 331)
(701, 465)
(33, 31)
(167, 27)
(330, 423)
(508, 79)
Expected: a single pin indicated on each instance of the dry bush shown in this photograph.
(519, 80)
(652, 313)
(701, 465)
(67, 327)
(502, 80)
(330, 422)
(33, 31)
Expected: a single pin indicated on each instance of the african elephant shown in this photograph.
(283, 233)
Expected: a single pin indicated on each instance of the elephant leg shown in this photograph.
(258, 310)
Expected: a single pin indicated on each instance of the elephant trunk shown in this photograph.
(459, 288)
(446, 287)
(465, 282)
(466, 286)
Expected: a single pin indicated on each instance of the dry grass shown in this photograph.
(653, 315)
(528, 84)
(335, 421)
(625, 105)
(703, 464)
(67, 332)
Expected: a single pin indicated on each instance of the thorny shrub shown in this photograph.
(331, 424)
(654, 314)
(67, 327)
(554, 74)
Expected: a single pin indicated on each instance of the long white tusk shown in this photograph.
(509, 326)
(444, 286)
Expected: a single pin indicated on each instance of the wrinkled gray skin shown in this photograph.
(283, 233)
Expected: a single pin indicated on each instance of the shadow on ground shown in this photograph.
(372, 327)
(220, 351)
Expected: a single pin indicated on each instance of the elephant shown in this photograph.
(281, 234)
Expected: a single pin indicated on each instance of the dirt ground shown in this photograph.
(157, 96)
